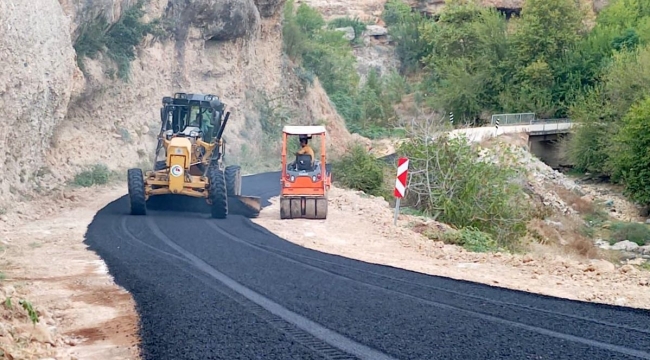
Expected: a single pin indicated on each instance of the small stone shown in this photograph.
(627, 269)
(600, 266)
(9, 291)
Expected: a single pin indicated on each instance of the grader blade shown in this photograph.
(248, 206)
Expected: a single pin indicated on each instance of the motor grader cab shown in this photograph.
(305, 182)
(188, 159)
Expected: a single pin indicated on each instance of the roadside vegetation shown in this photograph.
(557, 59)
(98, 174)
(116, 41)
(322, 51)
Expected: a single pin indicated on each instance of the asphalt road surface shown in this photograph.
(229, 289)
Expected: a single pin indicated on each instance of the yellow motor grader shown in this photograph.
(191, 147)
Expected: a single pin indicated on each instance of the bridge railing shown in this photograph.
(549, 125)
(513, 119)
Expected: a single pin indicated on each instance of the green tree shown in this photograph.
(632, 155)
(293, 39)
(545, 33)
(589, 147)
(309, 19)
(404, 26)
(627, 79)
(467, 47)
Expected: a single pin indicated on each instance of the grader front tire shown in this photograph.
(137, 199)
(218, 194)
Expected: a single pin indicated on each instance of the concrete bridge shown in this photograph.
(542, 134)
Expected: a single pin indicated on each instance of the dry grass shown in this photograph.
(584, 205)
(567, 233)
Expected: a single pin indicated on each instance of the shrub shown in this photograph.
(451, 183)
(632, 231)
(359, 170)
(99, 174)
(355, 23)
(471, 239)
(117, 40)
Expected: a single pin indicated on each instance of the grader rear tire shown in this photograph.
(233, 180)
(137, 199)
(218, 195)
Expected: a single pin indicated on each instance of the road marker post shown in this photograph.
(496, 130)
(400, 184)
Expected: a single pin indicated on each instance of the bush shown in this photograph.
(359, 170)
(118, 40)
(634, 232)
(99, 174)
(471, 239)
(356, 24)
(450, 183)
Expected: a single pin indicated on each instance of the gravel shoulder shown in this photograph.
(82, 313)
(361, 227)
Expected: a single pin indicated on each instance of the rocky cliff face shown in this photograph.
(59, 119)
(35, 86)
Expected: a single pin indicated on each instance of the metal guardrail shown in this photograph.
(551, 125)
(529, 119)
(513, 119)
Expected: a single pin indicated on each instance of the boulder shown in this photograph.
(375, 30)
(625, 245)
(349, 32)
(218, 20)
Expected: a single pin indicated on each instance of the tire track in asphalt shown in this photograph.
(180, 310)
(585, 341)
(307, 326)
(300, 336)
(437, 288)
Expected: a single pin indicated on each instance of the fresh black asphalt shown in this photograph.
(229, 289)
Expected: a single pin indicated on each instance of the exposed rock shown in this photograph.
(349, 32)
(268, 8)
(35, 85)
(600, 266)
(375, 30)
(602, 244)
(645, 250)
(218, 20)
(625, 245)
(83, 12)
